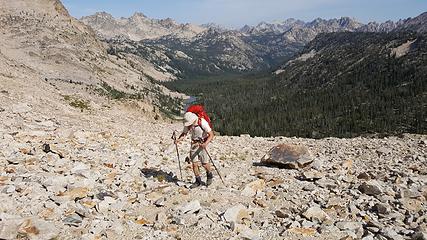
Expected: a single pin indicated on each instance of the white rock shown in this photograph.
(315, 214)
(236, 213)
(253, 188)
(191, 207)
(21, 108)
(246, 233)
(79, 167)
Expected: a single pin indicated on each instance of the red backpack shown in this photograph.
(200, 112)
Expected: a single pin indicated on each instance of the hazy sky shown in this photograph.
(236, 13)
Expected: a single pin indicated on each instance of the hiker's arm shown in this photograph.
(208, 140)
(183, 134)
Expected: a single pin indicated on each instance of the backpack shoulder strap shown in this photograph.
(199, 123)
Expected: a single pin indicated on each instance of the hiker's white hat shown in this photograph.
(189, 118)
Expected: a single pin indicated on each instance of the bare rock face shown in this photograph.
(287, 155)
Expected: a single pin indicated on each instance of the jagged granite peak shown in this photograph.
(216, 26)
(335, 24)
(138, 15)
(139, 27)
(274, 27)
(416, 24)
(215, 49)
(387, 26)
(307, 32)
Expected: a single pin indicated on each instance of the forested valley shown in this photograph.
(350, 84)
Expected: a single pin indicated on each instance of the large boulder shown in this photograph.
(288, 155)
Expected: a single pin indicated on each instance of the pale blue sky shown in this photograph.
(236, 13)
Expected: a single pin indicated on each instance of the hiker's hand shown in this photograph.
(203, 145)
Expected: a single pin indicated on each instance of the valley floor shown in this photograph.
(110, 173)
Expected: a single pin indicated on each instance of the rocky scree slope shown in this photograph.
(110, 174)
(68, 171)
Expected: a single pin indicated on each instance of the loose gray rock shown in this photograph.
(381, 208)
(160, 202)
(191, 207)
(419, 236)
(383, 151)
(315, 214)
(21, 108)
(390, 233)
(348, 225)
(312, 175)
(281, 214)
(73, 220)
(371, 188)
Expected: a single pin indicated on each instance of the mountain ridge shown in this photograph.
(138, 26)
(42, 46)
(217, 50)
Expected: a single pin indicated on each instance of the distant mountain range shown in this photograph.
(139, 27)
(341, 84)
(182, 50)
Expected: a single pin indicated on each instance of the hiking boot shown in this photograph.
(197, 183)
(209, 178)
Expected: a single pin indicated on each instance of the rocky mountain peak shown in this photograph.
(215, 26)
(347, 21)
(138, 15)
(104, 15)
(274, 27)
(416, 24)
(170, 23)
(139, 27)
(50, 7)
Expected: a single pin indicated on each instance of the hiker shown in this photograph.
(201, 136)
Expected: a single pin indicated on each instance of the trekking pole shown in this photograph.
(215, 167)
(177, 153)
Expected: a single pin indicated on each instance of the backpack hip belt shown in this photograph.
(199, 141)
